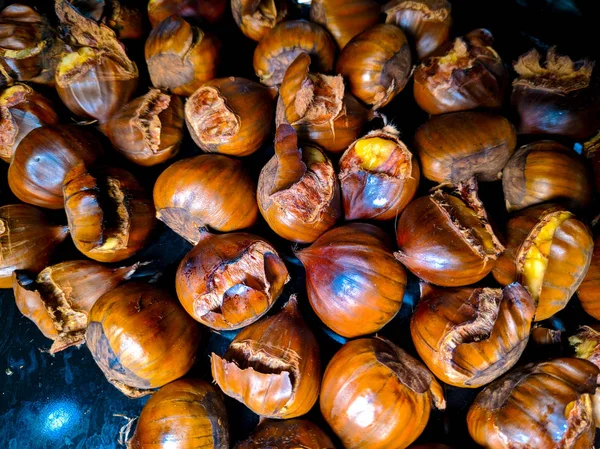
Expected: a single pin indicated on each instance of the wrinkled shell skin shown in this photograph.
(272, 366)
(589, 290)
(287, 434)
(257, 18)
(210, 11)
(43, 159)
(377, 64)
(454, 147)
(528, 407)
(376, 396)
(27, 240)
(470, 336)
(207, 190)
(354, 283)
(546, 171)
(141, 338)
(477, 79)
(190, 412)
(229, 281)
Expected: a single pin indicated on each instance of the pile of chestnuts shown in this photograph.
(315, 218)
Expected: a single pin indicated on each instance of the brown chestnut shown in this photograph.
(210, 11)
(589, 289)
(287, 434)
(586, 343)
(541, 335)
(125, 21)
(257, 18)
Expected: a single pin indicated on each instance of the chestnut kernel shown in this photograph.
(287, 434)
(210, 11)
(257, 18)
(589, 289)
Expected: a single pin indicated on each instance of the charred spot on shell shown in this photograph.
(210, 117)
(146, 117)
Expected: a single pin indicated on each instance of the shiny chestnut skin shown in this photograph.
(376, 396)
(470, 336)
(545, 405)
(589, 289)
(287, 434)
(44, 157)
(187, 413)
(141, 338)
(257, 18)
(210, 11)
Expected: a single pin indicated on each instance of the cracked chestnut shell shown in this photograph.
(209, 11)
(375, 396)
(589, 289)
(470, 336)
(586, 343)
(287, 434)
(141, 338)
(545, 405)
(272, 366)
(257, 18)
(229, 281)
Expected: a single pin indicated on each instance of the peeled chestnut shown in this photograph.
(470, 336)
(549, 251)
(589, 289)
(230, 280)
(272, 366)
(318, 107)
(591, 150)
(27, 240)
(298, 193)
(187, 413)
(44, 157)
(455, 147)
(230, 116)
(278, 49)
(344, 19)
(209, 11)
(149, 129)
(21, 110)
(446, 239)
(207, 190)
(546, 171)
(559, 96)
(110, 214)
(180, 56)
(60, 298)
(257, 18)
(376, 396)
(354, 283)
(466, 73)
(287, 434)
(141, 338)
(586, 343)
(426, 22)
(544, 406)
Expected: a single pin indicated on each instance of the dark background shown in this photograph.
(63, 401)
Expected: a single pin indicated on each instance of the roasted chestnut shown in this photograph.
(141, 338)
(207, 190)
(586, 343)
(257, 18)
(466, 73)
(470, 336)
(591, 150)
(545, 405)
(187, 413)
(298, 193)
(559, 96)
(149, 129)
(455, 147)
(287, 434)
(231, 280)
(230, 116)
(278, 49)
(589, 290)
(549, 251)
(541, 335)
(180, 56)
(27, 240)
(376, 396)
(272, 366)
(44, 157)
(377, 64)
(209, 11)
(354, 283)
(546, 171)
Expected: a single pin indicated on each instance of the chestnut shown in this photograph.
(586, 343)
(546, 171)
(591, 150)
(378, 176)
(210, 11)
(257, 18)
(466, 73)
(470, 336)
(180, 56)
(229, 281)
(589, 289)
(545, 336)
(278, 49)
(298, 193)
(207, 190)
(287, 434)
(27, 240)
(354, 283)
(230, 116)
(377, 64)
(549, 251)
(141, 338)
(272, 366)
(455, 147)
(187, 413)
(544, 405)
(44, 157)
(376, 396)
